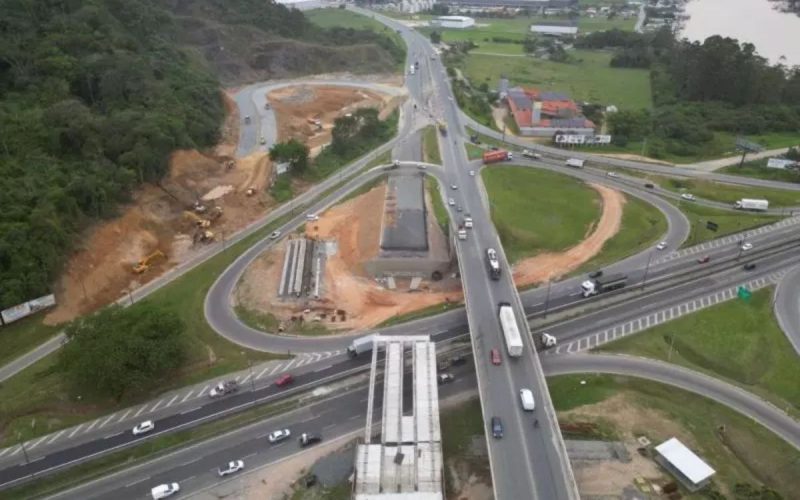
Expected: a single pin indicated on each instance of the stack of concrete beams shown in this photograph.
(297, 268)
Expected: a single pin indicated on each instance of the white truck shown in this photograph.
(462, 234)
(468, 222)
(547, 340)
(603, 283)
(531, 154)
(361, 345)
(751, 204)
(575, 162)
(412, 70)
(508, 322)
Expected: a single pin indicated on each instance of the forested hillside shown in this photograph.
(95, 94)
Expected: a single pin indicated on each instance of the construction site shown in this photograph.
(332, 265)
(204, 197)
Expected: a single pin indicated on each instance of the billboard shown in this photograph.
(20, 311)
(781, 163)
(589, 140)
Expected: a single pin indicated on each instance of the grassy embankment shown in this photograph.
(744, 453)
(738, 341)
(726, 193)
(728, 221)
(758, 170)
(430, 139)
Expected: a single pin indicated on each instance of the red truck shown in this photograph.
(498, 155)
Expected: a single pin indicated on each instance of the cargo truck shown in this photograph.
(531, 154)
(575, 162)
(442, 126)
(751, 204)
(361, 345)
(547, 340)
(496, 156)
(603, 283)
(412, 70)
(508, 322)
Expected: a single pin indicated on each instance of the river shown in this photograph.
(774, 33)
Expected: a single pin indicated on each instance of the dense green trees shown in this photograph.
(118, 351)
(292, 151)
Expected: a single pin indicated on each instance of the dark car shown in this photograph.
(649, 186)
(596, 274)
(497, 427)
(749, 266)
(457, 360)
(704, 259)
(307, 439)
(445, 378)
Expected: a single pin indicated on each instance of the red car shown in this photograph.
(496, 360)
(284, 379)
(703, 260)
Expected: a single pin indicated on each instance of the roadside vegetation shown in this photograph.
(725, 193)
(473, 151)
(461, 426)
(431, 310)
(739, 341)
(759, 170)
(729, 221)
(744, 454)
(121, 87)
(439, 210)
(641, 227)
(564, 209)
(430, 139)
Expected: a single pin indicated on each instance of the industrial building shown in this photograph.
(455, 22)
(304, 4)
(543, 114)
(555, 29)
(411, 243)
(682, 463)
(405, 460)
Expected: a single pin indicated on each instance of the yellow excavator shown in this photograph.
(144, 264)
(198, 221)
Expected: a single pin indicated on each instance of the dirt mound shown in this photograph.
(307, 112)
(551, 266)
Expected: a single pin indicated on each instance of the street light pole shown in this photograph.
(647, 269)
(547, 298)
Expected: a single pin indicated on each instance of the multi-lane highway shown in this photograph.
(534, 462)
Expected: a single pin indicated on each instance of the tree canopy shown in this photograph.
(118, 351)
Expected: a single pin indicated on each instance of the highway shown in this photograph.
(342, 415)
(786, 300)
(542, 449)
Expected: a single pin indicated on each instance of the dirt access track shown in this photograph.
(101, 269)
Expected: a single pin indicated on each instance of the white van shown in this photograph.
(164, 490)
(526, 397)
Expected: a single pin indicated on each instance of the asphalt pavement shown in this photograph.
(786, 304)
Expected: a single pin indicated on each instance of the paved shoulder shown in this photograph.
(727, 394)
(787, 306)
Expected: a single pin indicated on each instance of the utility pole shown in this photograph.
(547, 298)
(647, 269)
(130, 295)
(25, 453)
(671, 344)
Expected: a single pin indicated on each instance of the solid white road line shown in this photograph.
(184, 412)
(16, 450)
(128, 485)
(6, 450)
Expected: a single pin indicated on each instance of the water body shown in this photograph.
(774, 33)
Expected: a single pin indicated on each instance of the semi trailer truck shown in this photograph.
(496, 156)
(604, 283)
(508, 322)
(751, 204)
(575, 162)
(361, 345)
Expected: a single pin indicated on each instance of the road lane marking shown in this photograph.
(190, 410)
(291, 362)
(203, 391)
(245, 379)
(76, 430)
(16, 450)
(128, 485)
(115, 435)
(188, 395)
(37, 443)
(154, 408)
(197, 459)
(261, 374)
(91, 426)
(278, 367)
(140, 411)
(124, 415)
(6, 450)
(172, 401)
(54, 437)
(107, 421)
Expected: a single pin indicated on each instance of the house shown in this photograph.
(542, 114)
(682, 463)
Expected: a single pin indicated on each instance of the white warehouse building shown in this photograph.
(458, 22)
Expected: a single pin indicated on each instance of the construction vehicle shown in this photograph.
(215, 213)
(198, 221)
(199, 207)
(442, 126)
(315, 121)
(202, 236)
(145, 263)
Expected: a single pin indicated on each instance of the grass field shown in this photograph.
(642, 225)
(342, 18)
(728, 221)
(738, 341)
(431, 310)
(726, 193)
(537, 210)
(473, 151)
(590, 78)
(439, 210)
(744, 453)
(430, 139)
(22, 336)
(758, 169)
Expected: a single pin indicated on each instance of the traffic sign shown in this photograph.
(712, 226)
(744, 293)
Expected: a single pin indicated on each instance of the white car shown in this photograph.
(612, 174)
(279, 435)
(262, 140)
(274, 235)
(453, 187)
(144, 427)
(230, 468)
(747, 246)
(661, 246)
(312, 217)
(472, 173)
(688, 196)
(526, 398)
(165, 490)
(451, 202)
